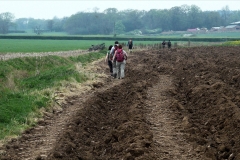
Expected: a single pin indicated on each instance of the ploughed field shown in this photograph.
(182, 103)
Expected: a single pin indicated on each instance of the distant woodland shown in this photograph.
(112, 21)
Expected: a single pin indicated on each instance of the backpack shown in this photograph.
(119, 55)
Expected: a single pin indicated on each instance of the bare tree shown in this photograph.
(225, 14)
(6, 20)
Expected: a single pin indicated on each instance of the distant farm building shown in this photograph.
(204, 29)
(217, 28)
(232, 27)
(235, 23)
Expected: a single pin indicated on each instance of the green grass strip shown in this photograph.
(23, 84)
(231, 43)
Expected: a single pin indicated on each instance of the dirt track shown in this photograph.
(173, 104)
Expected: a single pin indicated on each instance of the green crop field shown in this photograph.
(19, 45)
(37, 45)
(28, 46)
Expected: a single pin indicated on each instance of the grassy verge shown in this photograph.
(28, 84)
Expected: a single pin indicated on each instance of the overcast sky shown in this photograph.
(47, 9)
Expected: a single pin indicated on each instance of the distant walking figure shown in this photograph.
(169, 44)
(163, 44)
(130, 45)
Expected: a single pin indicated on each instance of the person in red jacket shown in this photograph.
(120, 56)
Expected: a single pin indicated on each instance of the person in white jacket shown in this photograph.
(114, 48)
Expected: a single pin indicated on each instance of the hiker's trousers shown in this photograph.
(120, 67)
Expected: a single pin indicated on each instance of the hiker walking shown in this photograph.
(114, 48)
(169, 44)
(109, 58)
(121, 57)
(163, 44)
(130, 45)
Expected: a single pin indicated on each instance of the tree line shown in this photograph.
(112, 21)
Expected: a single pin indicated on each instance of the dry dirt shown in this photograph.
(176, 104)
(8, 56)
